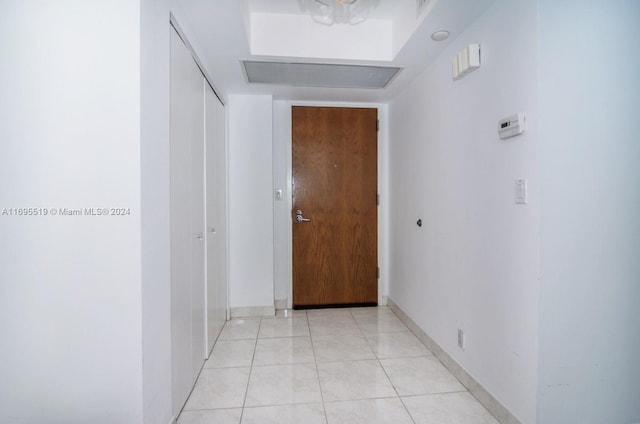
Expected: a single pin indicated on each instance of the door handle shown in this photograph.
(299, 217)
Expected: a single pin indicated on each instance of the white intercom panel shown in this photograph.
(512, 126)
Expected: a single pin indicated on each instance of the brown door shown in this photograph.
(335, 180)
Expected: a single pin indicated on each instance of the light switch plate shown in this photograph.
(521, 191)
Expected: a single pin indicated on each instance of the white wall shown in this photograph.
(384, 208)
(473, 265)
(590, 231)
(156, 302)
(282, 231)
(70, 302)
(251, 273)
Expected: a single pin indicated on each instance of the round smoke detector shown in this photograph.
(440, 35)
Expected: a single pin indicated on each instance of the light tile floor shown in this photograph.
(357, 365)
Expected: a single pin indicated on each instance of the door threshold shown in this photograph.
(341, 305)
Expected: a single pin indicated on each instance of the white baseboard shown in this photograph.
(253, 311)
(499, 411)
(281, 304)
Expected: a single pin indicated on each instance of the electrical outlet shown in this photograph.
(461, 339)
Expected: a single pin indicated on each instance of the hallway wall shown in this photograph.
(251, 276)
(590, 205)
(473, 265)
(70, 284)
(154, 213)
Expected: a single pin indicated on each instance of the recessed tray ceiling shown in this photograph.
(319, 74)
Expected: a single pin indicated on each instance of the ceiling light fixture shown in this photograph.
(440, 35)
(329, 12)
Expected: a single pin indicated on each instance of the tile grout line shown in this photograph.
(393, 385)
(246, 390)
(315, 360)
(395, 389)
(375, 355)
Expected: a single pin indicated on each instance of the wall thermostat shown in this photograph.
(512, 126)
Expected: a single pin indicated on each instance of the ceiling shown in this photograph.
(385, 8)
(223, 33)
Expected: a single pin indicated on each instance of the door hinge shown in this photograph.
(378, 199)
(378, 272)
(377, 125)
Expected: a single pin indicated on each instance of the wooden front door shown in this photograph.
(335, 180)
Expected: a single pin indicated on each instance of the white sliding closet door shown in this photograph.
(187, 221)
(221, 306)
(216, 183)
(198, 242)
